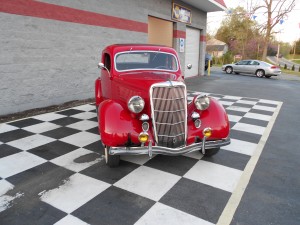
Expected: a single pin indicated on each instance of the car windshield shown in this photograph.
(145, 60)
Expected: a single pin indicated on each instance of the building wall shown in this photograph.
(50, 48)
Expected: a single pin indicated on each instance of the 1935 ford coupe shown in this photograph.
(142, 107)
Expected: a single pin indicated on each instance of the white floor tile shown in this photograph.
(215, 175)
(143, 179)
(49, 116)
(69, 160)
(18, 162)
(234, 118)
(85, 115)
(75, 192)
(269, 101)
(246, 102)
(137, 159)
(166, 215)
(86, 107)
(83, 125)
(232, 97)
(265, 108)
(194, 155)
(5, 186)
(217, 98)
(41, 127)
(6, 127)
(31, 142)
(249, 128)
(225, 103)
(70, 220)
(81, 139)
(238, 108)
(242, 147)
(258, 116)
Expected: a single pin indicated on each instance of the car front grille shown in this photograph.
(169, 113)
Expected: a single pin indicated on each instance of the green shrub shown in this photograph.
(293, 67)
(285, 66)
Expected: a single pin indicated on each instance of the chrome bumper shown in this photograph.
(168, 151)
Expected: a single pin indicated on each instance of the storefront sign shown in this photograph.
(181, 13)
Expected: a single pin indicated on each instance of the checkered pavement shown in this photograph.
(52, 171)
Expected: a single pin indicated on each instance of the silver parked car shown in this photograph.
(259, 68)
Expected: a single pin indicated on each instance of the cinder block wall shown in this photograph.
(45, 61)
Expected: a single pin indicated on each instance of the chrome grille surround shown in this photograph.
(169, 113)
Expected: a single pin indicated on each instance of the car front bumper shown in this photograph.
(149, 150)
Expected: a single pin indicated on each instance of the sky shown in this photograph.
(289, 29)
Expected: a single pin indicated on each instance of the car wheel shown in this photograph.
(206, 67)
(111, 160)
(267, 76)
(236, 73)
(228, 69)
(97, 113)
(260, 73)
(210, 152)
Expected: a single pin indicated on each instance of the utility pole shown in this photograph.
(278, 51)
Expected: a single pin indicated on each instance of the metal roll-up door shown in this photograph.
(192, 51)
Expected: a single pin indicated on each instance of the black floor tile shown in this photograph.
(25, 122)
(104, 173)
(229, 159)
(256, 122)
(178, 165)
(6, 150)
(233, 112)
(245, 136)
(66, 121)
(96, 147)
(61, 132)
(14, 135)
(197, 199)
(114, 206)
(70, 112)
(94, 130)
(263, 112)
(53, 150)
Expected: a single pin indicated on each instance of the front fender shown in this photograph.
(118, 126)
(214, 117)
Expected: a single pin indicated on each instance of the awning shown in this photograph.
(207, 5)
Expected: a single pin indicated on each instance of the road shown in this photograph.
(282, 62)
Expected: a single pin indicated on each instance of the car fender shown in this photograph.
(117, 125)
(214, 117)
(98, 92)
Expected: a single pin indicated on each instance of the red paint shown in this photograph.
(202, 38)
(179, 34)
(66, 14)
(116, 122)
(221, 2)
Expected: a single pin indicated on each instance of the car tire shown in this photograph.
(111, 160)
(228, 70)
(206, 67)
(260, 73)
(211, 152)
(267, 76)
(236, 73)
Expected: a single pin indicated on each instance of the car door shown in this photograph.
(240, 67)
(253, 66)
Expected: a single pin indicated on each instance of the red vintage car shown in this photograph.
(142, 107)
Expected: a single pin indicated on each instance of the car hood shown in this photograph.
(144, 80)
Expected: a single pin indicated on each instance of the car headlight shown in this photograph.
(202, 102)
(136, 104)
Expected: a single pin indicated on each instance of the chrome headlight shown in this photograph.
(136, 104)
(202, 102)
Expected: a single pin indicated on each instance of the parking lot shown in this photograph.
(52, 170)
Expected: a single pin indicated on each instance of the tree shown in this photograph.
(240, 33)
(276, 11)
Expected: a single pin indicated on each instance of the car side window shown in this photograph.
(107, 61)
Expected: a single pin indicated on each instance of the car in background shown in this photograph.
(256, 67)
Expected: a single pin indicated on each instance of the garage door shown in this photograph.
(160, 32)
(192, 51)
